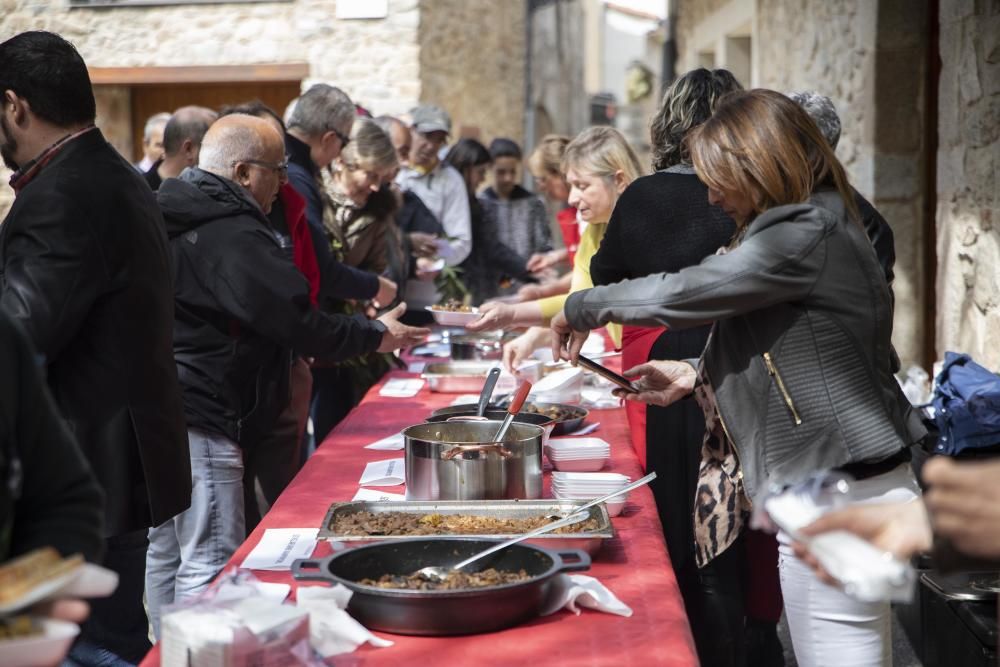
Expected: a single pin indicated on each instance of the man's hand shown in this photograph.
(530, 293)
(964, 504)
(386, 292)
(423, 245)
(660, 382)
(901, 529)
(72, 610)
(492, 316)
(398, 335)
(566, 343)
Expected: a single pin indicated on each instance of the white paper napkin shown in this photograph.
(572, 591)
(279, 547)
(462, 399)
(332, 631)
(401, 387)
(388, 443)
(384, 473)
(373, 495)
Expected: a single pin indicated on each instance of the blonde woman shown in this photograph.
(796, 376)
(599, 164)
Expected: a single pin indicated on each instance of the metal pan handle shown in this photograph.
(310, 569)
(572, 560)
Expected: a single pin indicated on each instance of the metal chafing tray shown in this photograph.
(457, 377)
(500, 509)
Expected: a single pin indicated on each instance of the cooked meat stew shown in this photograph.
(407, 523)
(453, 580)
(452, 307)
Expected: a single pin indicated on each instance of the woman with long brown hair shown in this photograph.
(796, 376)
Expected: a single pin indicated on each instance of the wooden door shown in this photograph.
(151, 99)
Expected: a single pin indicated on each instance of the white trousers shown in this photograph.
(828, 628)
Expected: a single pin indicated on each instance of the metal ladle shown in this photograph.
(438, 573)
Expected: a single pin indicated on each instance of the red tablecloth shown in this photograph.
(634, 565)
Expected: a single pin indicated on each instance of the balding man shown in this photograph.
(182, 137)
(241, 308)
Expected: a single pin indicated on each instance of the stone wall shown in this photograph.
(472, 64)
(870, 58)
(968, 181)
(376, 61)
(352, 54)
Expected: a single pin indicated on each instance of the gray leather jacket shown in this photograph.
(799, 356)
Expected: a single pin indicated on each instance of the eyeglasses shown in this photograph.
(281, 168)
(344, 139)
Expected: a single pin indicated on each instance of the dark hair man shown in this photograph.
(86, 271)
(182, 137)
(318, 129)
(242, 308)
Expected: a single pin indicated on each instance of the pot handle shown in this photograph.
(311, 569)
(467, 418)
(577, 560)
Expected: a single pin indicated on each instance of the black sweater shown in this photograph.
(661, 224)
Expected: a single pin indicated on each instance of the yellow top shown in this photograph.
(590, 241)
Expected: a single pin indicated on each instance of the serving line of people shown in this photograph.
(183, 347)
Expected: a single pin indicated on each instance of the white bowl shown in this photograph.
(451, 318)
(612, 478)
(579, 465)
(48, 648)
(575, 445)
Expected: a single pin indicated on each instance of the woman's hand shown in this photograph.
(519, 350)
(492, 316)
(543, 260)
(964, 504)
(530, 293)
(901, 529)
(660, 382)
(566, 343)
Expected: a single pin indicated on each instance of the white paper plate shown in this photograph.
(42, 650)
(86, 581)
(451, 318)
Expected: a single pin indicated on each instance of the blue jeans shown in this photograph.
(187, 552)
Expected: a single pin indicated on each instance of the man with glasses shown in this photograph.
(181, 143)
(241, 308)
(442, 190)
(318, 129)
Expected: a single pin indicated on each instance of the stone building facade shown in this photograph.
(467, 56)
(871, 58)
(968, 180)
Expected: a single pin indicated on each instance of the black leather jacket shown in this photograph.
(242, 308)
(86, 271)
(799, 355)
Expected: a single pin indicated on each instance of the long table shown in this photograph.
(634, 565)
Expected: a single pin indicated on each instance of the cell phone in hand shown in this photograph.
(608, 374)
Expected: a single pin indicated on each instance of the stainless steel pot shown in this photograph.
(460, 461)
(479, 347)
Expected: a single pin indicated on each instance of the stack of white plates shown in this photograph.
(578, 454)
(590, 485)
(560, 387)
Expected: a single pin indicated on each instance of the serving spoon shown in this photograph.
(438, 573)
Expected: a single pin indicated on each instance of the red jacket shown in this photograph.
(302, 246)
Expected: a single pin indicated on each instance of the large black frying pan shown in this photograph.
(571, 421)
(442, 612)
